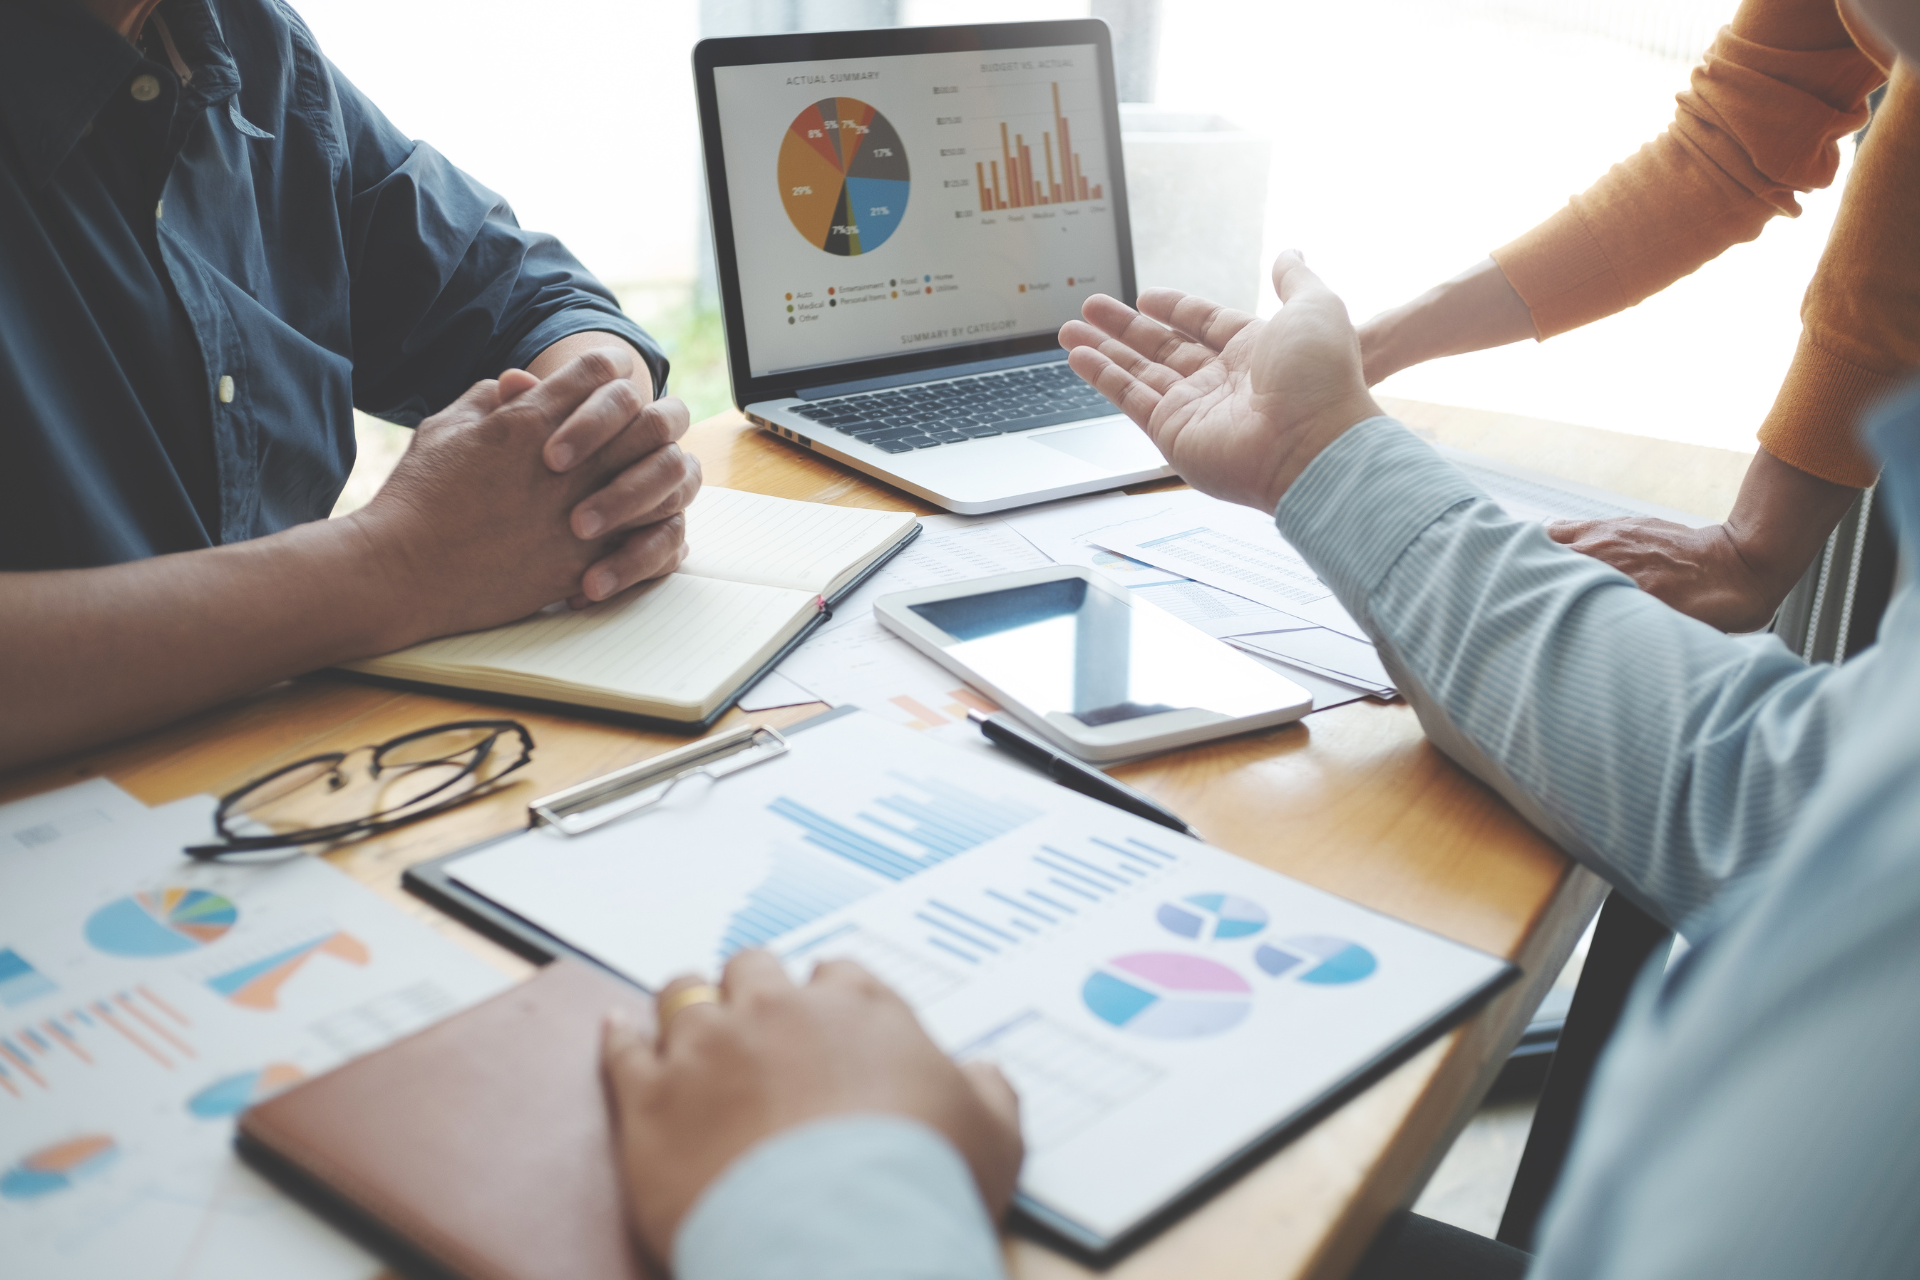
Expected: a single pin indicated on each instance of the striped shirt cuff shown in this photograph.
(1363, 501)
(853, 1197)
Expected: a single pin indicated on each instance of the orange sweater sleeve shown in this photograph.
(1861, 319)
(1760, 120)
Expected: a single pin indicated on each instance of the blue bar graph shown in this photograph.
(800, 888)
(941, 823)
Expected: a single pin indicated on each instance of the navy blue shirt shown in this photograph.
(202, 274)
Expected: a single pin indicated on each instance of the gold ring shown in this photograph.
(699, 993)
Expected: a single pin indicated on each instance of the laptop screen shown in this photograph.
(888, 206)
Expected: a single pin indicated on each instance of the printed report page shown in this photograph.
(1158, 1003)
(895, 204)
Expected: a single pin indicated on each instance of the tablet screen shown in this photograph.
(1068, 647)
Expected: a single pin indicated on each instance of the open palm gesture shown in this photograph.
(1239, 406)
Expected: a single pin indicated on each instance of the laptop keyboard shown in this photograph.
(902, 419)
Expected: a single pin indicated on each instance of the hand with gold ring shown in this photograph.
(732, 1066)
(679, 994)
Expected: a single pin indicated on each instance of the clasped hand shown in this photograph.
(527, 491)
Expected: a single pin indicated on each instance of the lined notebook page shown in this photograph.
(748, 537)
(679, 641)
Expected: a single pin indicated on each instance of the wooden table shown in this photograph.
(1352, 799)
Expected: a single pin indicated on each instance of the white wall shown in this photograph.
(1409, 138)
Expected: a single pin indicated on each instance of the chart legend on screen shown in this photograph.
(843, 176)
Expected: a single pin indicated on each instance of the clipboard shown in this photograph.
(599, 800)
(689, 728)
(1039, 1215)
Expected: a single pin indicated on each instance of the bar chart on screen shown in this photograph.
(1017, 181)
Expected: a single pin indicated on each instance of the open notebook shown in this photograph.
(682, 648)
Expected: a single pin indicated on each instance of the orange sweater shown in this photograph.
(1762, 120)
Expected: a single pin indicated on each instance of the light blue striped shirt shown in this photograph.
(1758, 1112)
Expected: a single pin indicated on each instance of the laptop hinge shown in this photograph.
(1053, 356)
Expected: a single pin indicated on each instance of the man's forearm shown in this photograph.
(93, 654)
(576, 344)
(1476, 309)
(1666, 753)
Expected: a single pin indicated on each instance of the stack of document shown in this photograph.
(1221, 567)
(145, 1000)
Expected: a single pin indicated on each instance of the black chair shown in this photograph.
(1623, 941)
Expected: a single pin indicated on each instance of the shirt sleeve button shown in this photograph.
(144, 88)
(226, 389)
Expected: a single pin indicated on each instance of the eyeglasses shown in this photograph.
(320, 800)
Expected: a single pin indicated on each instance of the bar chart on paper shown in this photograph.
(135, 1026)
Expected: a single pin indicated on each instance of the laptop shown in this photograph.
(903, 219)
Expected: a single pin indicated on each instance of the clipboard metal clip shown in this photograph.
(640, 786)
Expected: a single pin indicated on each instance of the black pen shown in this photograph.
(1071, 773)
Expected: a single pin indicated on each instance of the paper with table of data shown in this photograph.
(1160, 1005)
(144, 1001)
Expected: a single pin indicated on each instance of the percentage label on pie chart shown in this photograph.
(1167, 995)
(843, 176)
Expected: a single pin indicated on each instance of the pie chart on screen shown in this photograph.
(843, 176)
(1167, 995)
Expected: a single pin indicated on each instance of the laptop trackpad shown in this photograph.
(1112, 446)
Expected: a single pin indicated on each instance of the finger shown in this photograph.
(1129, 394)
(996, 1092)
(1078, 333)
(1208, 323)
(662, 483)
(515, 383)
(641, 556)
(680, 1014)
(548, 405)
(1568, 531)
(754, 973)
(475, 403)
(1294, 283)
(842, 972)
(629, 1062)
(1146, 335)
(610, 409)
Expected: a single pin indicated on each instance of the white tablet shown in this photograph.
(1099, 673)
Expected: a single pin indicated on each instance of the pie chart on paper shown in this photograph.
(1206, 916)
(1319, 960)
(1167, 995)
(162, 922)
(843, 176)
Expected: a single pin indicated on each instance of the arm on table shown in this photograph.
(1670, 756)
(471, 530)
